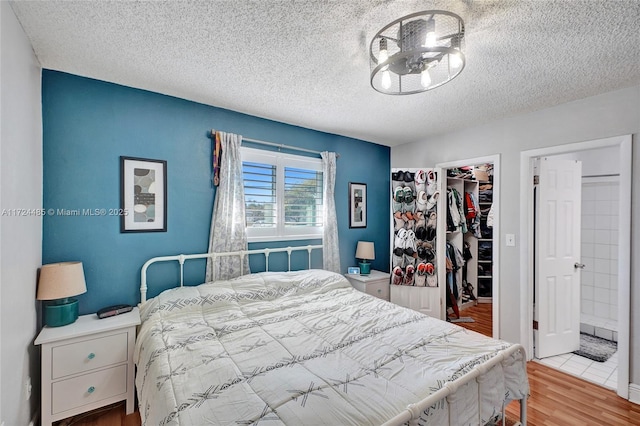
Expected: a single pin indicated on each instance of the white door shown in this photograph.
(558, 266)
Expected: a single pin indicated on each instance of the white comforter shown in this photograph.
(304, 348)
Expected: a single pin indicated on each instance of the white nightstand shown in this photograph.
(375, 284)
(87, 365)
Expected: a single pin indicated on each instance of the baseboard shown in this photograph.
(634, 393)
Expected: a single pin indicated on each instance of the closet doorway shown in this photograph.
(482, 270)
(605, 252)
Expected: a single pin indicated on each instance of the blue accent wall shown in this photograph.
(88, 124)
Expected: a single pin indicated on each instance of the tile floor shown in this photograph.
(601, 373)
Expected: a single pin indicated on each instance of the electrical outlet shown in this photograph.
(510, 240)
(27, 389)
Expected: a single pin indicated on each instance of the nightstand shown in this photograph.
(375, 284)
(87, 365)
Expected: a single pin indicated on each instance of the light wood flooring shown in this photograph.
(557, 399)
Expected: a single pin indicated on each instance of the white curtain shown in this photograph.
(228, 223)
(331, 251)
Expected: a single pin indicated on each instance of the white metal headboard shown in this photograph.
(242, 253)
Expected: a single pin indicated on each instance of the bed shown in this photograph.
(305, 348)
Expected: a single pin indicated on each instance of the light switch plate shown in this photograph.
(510, 240)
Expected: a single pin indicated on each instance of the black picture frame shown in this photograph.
(143, 195)
(357, 205)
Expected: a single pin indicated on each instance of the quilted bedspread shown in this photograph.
(305, 348)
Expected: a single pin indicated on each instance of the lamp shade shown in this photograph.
(365, 250)
(61, 280)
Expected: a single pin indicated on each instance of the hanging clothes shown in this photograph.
(459, 203)
(473, 214)
(453, 211)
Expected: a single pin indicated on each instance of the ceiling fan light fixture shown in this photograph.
(417, 52)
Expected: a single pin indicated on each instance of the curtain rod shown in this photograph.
(279, 145)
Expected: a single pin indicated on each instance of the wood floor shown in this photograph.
(557, 399)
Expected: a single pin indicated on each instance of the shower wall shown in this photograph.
(599, 298)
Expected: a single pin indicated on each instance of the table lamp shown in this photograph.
(57, 284)
(365, 253)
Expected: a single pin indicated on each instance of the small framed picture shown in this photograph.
(143, 195)
(357, 205)
(354, 270)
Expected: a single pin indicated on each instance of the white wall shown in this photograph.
(21, 236)
(609, 114)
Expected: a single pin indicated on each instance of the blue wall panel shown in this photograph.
(89, 124)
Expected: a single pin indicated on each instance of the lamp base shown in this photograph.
(61, 312)
(365, 268)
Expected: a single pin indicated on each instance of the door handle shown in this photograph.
(579, 265)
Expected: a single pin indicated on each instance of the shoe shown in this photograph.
(419, 218)
(398, 241)
(431, 222)
(432, 278)
(430, 234)
(409, 260)
(426, 254)
(410, 243)
(409, 180)
(398, 276)
(432, 183)
(397, 178)
(433, 200)
(397, 259)
(420, 277)
(398, 199)
(408, 275)
(421, 233)
(399, 221)
(409, 200)
(409, 224)
(420, 180)
(421, 201)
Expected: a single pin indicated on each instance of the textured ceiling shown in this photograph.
(306, 62)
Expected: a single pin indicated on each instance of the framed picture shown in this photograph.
(143, 195)
(357, 205)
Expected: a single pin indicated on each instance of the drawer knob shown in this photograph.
(91, 389)
(91, 355)
(379, 290)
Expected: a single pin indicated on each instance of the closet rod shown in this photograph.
(279, 145)
(604, 175)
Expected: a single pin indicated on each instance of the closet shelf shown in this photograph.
(485, 261)
(484, 276)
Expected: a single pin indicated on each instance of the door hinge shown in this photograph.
(535, 325)
(536, 179)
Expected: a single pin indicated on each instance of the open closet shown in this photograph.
(442, 249)
(469, 238)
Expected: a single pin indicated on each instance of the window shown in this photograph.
(282, 195)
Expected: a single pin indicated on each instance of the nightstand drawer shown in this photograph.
(88, 355)
(87, 389)
(379, 289)
(376, 283)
